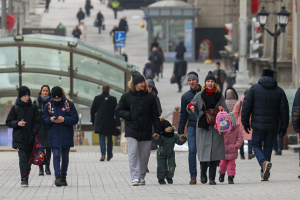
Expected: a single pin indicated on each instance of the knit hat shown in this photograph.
(56, 92)
(193, 75)
(163, 125)
(137, 77)
(210, 76)
(268, 72)
(23, 90)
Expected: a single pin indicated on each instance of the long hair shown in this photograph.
(132, 86)
(217, 88)
(67, 97)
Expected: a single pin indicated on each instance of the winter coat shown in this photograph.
(42, 136)
(180, 50)
(186, 99)
(223, 76)
(156, 61)
(210, 144)
(103, 114)
(139, 109)
(233, 141)
(148, 71)
(237, 111)
(296, 112)
(61, 135)
(180, 67)
(80, 15)
(113, 33)
(155, 93)
(100, 19)
(24, 136)
(83, 32)
(123, 26)
(231, 98)
(76, 33)
(268, 104)
(166, 145)
(87, 6)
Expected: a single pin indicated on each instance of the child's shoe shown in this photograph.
(230, 179)
(162, 181)
(170, 181)
(221, 178)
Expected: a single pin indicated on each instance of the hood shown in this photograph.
(230, 93)
(21, 103)
(138, 93)
(148, 66)
(267, 82)
(152, 84)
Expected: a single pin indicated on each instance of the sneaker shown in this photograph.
(24, 182)
(230, 179)
(250, 156)
(102, 158)
(193, 181)
(57, 181)
(170, 181)
(142, 181)
(266, 169)
(243, 157)
(221, 177)
(135, 182)
(162, 182)
(262, 178)
(64, 180)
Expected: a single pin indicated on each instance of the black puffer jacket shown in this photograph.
(24, 136)
(296, 112)
(139, 109)
(268, 105)
(42, 136)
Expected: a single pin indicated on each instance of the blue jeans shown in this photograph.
(191, 134)
(249, 147)
(103, 146)
(62, 153)
(263, 155)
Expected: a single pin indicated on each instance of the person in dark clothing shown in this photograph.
(236, 62)
(88, 7)
(154, 44)
(180, 50)
(153, 90)
(115, 6)
(104, 120)
(180, 67)
(47, 6)
(278, 146)
(156, 62)
(100, 20)
(77, 32)
(186, 98)
(220, 75)
(296, 115)
(123, 26)
(268, 105)
(25, 120)
(80, 15)
(112, 33)
(42, 137)
(60, 115)
(139, 109)
(148, 71)
(162, 55)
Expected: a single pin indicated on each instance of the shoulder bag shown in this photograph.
(210, 115)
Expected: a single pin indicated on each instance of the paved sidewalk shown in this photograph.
(90, 179)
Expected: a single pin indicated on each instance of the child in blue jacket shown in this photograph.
(60, 114)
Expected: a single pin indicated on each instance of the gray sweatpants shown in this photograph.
(138, 156)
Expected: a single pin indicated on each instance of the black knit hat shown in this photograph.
(210, 76)
(137, 77)
(56, 92)
(268, 72)
(23, 90)
(164, 124)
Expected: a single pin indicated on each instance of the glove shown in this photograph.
(247, 128)
(282, 132)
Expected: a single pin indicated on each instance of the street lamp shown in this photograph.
(282, 20)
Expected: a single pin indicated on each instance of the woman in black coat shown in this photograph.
(139, 109)
(88, 7)
(100, 20)
(25, 120)
(42, 137)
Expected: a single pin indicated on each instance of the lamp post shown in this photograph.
(282, 20)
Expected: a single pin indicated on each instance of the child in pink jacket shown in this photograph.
(233, 141)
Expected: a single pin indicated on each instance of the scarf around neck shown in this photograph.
(211, 101)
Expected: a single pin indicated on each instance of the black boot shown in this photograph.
(64, 180)
(212, 172)
(41, 173)
(203, 166)
(47, 168)
(58, 181)
(221, 178)
(279, 152)
(230, 179)
(242, 156)
(162, 182)
(24, 182)
(170, 180)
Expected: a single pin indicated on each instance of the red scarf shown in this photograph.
(210, 92)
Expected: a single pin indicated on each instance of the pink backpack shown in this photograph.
(223, 122)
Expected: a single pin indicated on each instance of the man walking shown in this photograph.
(105, 121)
(80, 15)
(268, 105)
(220, 75)
(186, 99)
(180, 67)
(123, 26)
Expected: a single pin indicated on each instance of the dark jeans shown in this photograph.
(191, 134)
(115, 11)
(62, 153)
(103, 146)
(278, 144)
(178, 80)
(212, 169)
(267, 138)
(24, 158)
(249, 147)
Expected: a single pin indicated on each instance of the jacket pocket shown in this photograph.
(18, 136)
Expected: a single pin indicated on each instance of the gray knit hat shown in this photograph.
(193, 75)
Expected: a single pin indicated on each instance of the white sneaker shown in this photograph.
(142, 181)
(135, 182)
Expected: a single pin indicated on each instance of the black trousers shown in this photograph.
(24, 158)
(178, 80)
(212, 169)
(48, 154)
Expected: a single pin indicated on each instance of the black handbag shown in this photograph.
(96, 23)
(173, 80)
